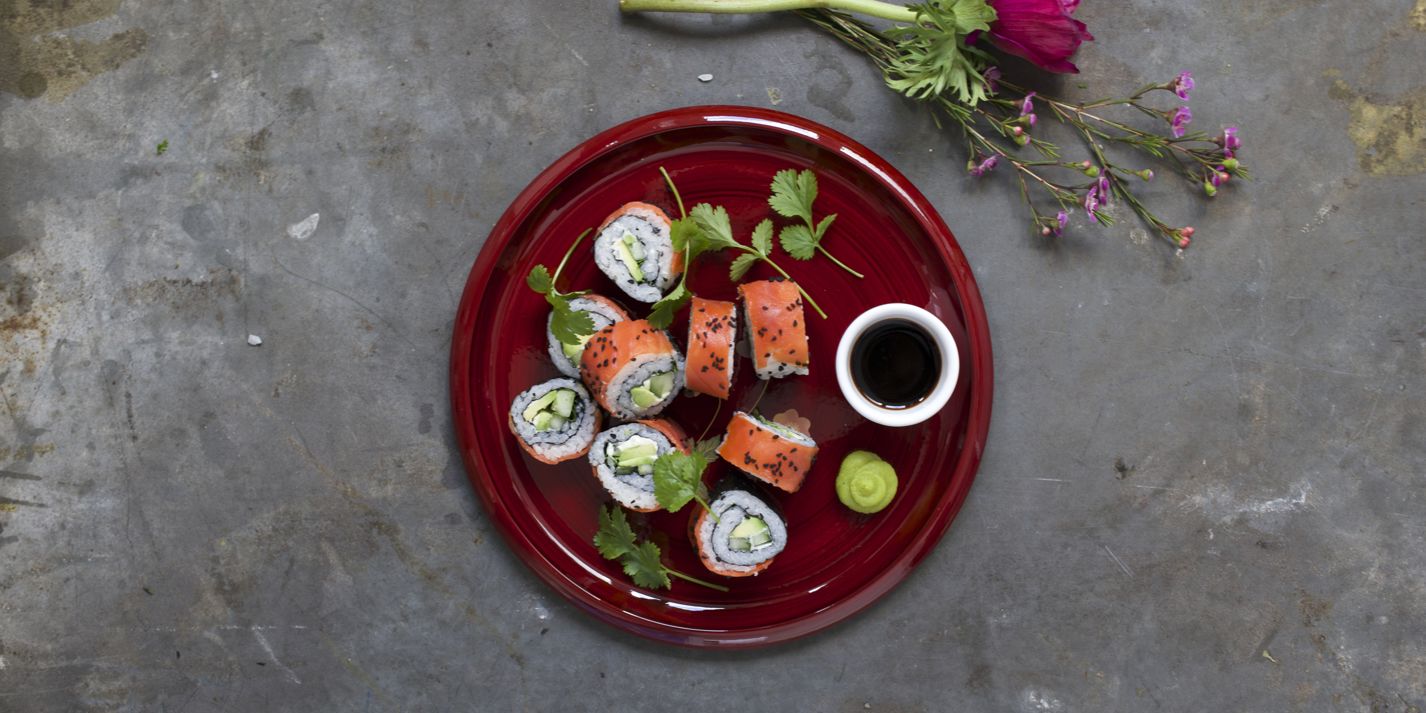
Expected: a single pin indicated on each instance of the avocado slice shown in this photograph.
(660, 384)
(621, 249)
(539, 405)
(542, 420)
(564, 403)
(643, 397)
(750, 534)
(573, 352)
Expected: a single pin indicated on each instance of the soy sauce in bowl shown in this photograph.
(896, 364)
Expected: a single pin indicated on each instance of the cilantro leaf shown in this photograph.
(741, 265)
(793, 193)
(708, 447)
(662, 315)
(678, 478)
(824, 225)
(570, 326)
(643, 566)
(798, 241)
(539, 279)
(681, 233)
(762, 237)
(715, 229)
(614, 538)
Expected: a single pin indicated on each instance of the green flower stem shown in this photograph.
(872, 8)
(839, 262)
(695, 580)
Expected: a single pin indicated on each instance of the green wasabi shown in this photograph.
(865, 483)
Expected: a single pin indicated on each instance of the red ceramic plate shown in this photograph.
(836, 562)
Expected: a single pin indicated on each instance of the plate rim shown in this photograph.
(977, 328)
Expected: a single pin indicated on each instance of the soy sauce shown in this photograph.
(896, 364)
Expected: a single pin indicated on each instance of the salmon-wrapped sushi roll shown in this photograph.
(632, 369)
(744, 539)
(554, 421)
(771, 452)
(634, 249)
(623, 460)
(712, 332)
(602, 310)
(777, 329)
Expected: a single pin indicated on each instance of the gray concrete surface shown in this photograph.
(190, 523)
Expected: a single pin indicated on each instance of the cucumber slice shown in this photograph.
(572, 352)
(750, 527)
(636, 461)
(643, 397)
(556, 422)
(629, 239)
(646, 470)
(637, 250)
(627, 257)
(660, 384)
(564, 403)
(539, 405)
(739, 544)
(543, 420)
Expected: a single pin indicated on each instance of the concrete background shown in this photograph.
(190, 523)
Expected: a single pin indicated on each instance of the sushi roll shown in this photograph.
(744, 539)
(635, 251)
(602, 310)
(712, 333)
(623, 460)
(554, 421)
(632, 369)
(776, 327)
(771, 452)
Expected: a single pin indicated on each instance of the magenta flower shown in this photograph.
(1091, 203)
(1181, 84)
(991, 75)
(984, 167)
(1104, 187)
(1180, 119)
(1230, 141)
(1062, 218)
(1041, 31)
(1027, 108)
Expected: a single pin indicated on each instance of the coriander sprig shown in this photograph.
(642, 561)
(569, 325)
(715, 232)
(793, 193)
(678, 477)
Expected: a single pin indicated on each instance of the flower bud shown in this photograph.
(1231, 164)
(1090, 169)
(1146, 174)
(1021, 138)
(1045, 231)
(1016, 131)
(1210, 189)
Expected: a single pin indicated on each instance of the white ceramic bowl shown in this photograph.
(945, 383)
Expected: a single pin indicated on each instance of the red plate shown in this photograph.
(836, 562)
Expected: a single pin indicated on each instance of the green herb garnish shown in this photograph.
(569, 325)
(707, 228)
(161, 148)
(641, 560)
(792, 195)
(678, 477)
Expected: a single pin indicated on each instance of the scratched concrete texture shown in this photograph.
(1203, 488)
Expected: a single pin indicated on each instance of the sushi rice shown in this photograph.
(565, 439)
(632, 486)
(601, 310)
(714, 539)
(650, 247)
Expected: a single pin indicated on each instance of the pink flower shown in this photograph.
(1181, 84)
(984, 167)
(1180, 118)
(1041, 31)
